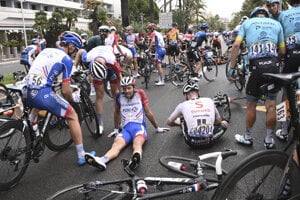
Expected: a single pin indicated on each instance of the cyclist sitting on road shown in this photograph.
(48, 65)
(104, 67)
(131, 107)
(192, 51)
(29, 53)
(200, 118)
(157, 42)
(263, 58)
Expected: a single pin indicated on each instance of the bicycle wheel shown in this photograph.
(15, 152)
(239, 81)
(191, 165)
(179, 74)
(89, 191)
(147, 74)
(210, 69)
(89, 114)
(57, 135)
(107, 89)
(256, 177)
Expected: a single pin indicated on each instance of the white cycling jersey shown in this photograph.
(197, 112)
(50, 63)
(124, 50)
(105, 52)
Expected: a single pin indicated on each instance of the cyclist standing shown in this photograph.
(130, 40)
(172, 43)
(48, 65)
(200, 115)
(273, 8)
(263, 57)
(29, 53)
(157, 42)
(192, 51)
(292, 42)
(131, 108)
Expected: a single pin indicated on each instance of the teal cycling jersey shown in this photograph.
(290, 21)
(263, 36)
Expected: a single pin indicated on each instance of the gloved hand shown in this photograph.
(114, 133)
(161, 130)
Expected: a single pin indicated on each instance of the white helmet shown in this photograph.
(189, 86)
(98, 70)
(127, 80)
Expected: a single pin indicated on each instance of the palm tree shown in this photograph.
(71, 18)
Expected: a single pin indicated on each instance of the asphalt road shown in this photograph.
(58, 170)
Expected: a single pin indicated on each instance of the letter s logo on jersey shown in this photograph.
(198, 104)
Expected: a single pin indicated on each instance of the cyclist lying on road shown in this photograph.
(201, 119)
(131, 106)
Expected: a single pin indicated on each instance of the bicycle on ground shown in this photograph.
(199, 176)
(270, 174)
(20, 142)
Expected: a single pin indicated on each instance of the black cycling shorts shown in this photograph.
(292, 61)
(257, 67)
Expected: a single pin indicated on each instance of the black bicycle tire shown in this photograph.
(239, 82)
(66, 136)
(89, 114)
(17, 125)
(147, 74)
(249, 164)
(107, 90)
(209, 62)
(164, 162)
(178, 78)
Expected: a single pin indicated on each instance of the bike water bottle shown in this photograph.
(177, 165)
(141, 186)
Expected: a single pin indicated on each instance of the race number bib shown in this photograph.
(291, 40)
(201, 130)
(35, 81)
(282, 111)
(194, 44)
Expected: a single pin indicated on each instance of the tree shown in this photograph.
(40, 19)
(71, 18)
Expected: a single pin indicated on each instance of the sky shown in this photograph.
(224, 8)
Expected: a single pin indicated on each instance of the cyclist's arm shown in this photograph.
(117, 113)
(150, 116)
(234, 52)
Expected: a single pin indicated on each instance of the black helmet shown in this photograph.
(259, 10)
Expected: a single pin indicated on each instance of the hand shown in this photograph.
(114, 133)
(161, 130)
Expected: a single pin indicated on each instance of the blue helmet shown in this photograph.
(204, 26)
(34, 41)
(268, 2)
(70, 37)
(259, 10)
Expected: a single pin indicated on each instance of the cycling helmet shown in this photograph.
(244, 18)
(129, 28)
(113, 28)
(104, 28)
(98, 70)
(70, 37)
(259, 10)
(127, 80)
(268, 2)
(189, 86)
(204, 26)
(174, 24)
(151, 26)
(83, 35)
(34, 41)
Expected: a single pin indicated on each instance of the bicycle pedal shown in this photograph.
(128, 171)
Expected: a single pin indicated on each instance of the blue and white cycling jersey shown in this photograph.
(263, 36)
(290, 21)
(47, 66)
